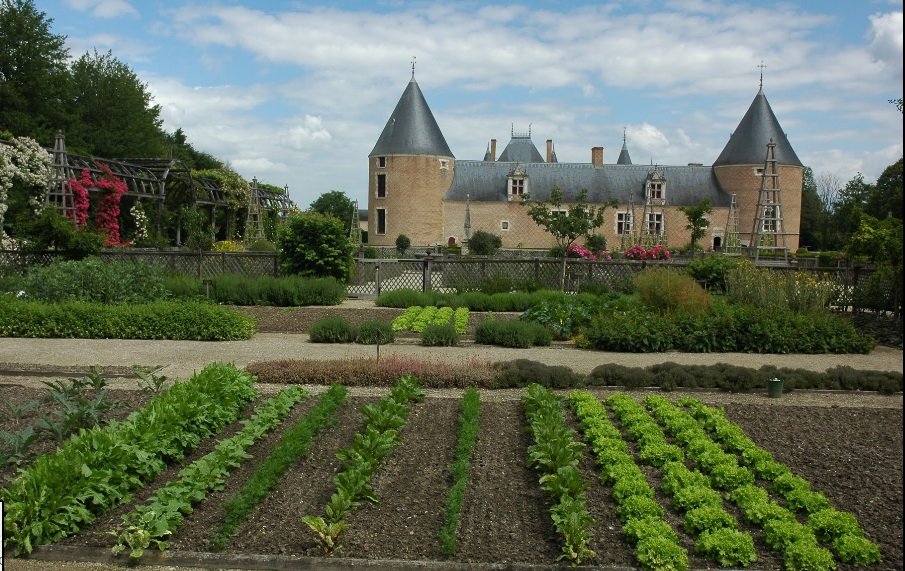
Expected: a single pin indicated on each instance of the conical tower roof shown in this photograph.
(748, 143)
(624, 158)
(412, 129)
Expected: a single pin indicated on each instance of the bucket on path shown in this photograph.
(774, 388)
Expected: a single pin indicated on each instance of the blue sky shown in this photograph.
(296, 93)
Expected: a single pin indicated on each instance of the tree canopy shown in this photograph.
(566, 226)
(336, 204)
(697, 220)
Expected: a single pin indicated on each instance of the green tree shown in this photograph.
(403, 243)
(566, 226)
(581, 219)
(484, 243)
(812, 212)
(336, 204)
(33, 72)
(180, 148)
(315, 244)
(113, 110)
(697, 220)
(885, 198)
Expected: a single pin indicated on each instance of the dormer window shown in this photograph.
(517, 183)
(516, 187)
(656, 187)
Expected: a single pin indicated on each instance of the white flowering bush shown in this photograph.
(141, 221)
(22, 162)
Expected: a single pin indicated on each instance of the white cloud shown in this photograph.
(307, 133)
(886, 41)
(104, 8)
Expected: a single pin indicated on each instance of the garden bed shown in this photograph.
(504, 517)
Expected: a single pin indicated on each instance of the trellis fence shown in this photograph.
(856, 288)
(202, 265)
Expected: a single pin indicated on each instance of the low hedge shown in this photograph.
(726, 328)
(518, 334)
(522, 372)
(475, 301)
(334, 329)
(288, 291)
(184, 320)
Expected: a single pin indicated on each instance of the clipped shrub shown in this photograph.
(666, 291)
(373, 332)
(518, 334)
(440, 335)
(185, 320)
(332, 329)
(403, 298)
(288, 291)
(484, 243)
(522, 372)
(262, 246)
(712, 270)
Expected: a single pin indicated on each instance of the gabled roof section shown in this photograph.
(412, 129)
(748, 143)
(520, 149)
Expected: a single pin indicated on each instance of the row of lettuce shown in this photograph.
(705, 463)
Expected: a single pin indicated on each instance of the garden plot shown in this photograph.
(505, 515)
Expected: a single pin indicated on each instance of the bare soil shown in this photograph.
(853, 455)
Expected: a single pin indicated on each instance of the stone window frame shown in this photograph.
(381, 162)
(377, 212)
(653, 219)
(627, 222)
(505, 226)
(380, 190)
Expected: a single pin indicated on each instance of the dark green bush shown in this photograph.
(440, 336)
(522, 372)
(182, 286)
(518, 334)
(315, 245)
(375, 332)
(96, 280)
(289, 291)
(332, 329)
(635, 331)
(712, 270)
(484, 243)
(184, 320)
(404, 298)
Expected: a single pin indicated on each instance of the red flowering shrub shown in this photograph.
(79, 187)
(107, 216)
(639, 252)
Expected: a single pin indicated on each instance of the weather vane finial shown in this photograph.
(762, 66)
(414, 59)
(624, 129)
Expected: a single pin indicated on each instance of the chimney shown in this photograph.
(597, 156)
(493, 149)
(549, 150)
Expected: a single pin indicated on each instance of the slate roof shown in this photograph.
(486, 182)
(748, 143)
(522, 150)
(411, 129)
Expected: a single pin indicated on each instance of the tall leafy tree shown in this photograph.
(336, 204)
(115, 113)
(885, 198)
(33, 72)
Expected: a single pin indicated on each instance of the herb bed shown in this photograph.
(504, 516)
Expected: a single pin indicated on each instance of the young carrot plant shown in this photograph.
(468, 432)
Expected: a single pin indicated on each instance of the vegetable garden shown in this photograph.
(210, 464)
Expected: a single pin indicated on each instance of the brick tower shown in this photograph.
(409, 170)
(740, 168)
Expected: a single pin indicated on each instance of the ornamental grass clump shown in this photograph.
(798, 292)
(665, 290)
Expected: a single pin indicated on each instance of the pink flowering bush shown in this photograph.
(107, 216)
(577, 251)
(639, 252)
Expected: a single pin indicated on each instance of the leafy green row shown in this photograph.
(656, 542)
(95, 470)
(159, 517)
(782, 532)
(716, 530)
(468, 432)
(377, 439)
(295, 443)
(840, 529)
(154, 320)
(556, 454)
(417, 318)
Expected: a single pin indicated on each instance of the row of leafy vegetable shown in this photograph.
(416, 318)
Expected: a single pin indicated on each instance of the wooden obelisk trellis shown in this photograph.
(733, 246)
(768, 234)
(355, 227)
(59, 192)
(629, 234)
(254, 222)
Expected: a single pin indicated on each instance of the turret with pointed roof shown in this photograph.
(624, 158)
(411, 129)
(757, 128)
